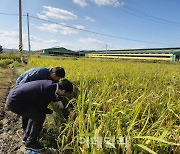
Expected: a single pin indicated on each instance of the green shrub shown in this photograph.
(5, 62)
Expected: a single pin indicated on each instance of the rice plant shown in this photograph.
(120, 106)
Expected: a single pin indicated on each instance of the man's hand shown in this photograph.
(59, 104)
(54, 114)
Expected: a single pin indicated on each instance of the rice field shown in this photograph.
(120, 107)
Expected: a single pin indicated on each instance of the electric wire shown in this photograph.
(146, 15)
(102, 34)
(92, 32)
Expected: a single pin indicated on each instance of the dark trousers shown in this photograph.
(33, 121)
(24, 123)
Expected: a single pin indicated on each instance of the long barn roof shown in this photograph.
(141, 51)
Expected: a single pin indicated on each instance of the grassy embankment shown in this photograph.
(8, 61)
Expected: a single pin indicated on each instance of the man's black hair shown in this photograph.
(66, 85)
(59, 71)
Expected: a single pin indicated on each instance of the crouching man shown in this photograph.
(30, 100)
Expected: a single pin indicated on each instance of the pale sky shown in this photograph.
(92, 24)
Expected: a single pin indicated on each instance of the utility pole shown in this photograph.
(20, 28)
(29, 45)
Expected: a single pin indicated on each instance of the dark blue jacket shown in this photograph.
(39, 73)
(36, 94)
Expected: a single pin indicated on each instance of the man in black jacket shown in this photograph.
(30, 100)
(40, 73)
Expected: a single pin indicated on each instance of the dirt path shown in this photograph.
(10, 143)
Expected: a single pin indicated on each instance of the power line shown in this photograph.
(149, 16)
(93, 32)
(13, 14)
(137, 13)
(108, 35)
(82, 12)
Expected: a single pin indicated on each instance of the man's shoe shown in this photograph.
(34, 146)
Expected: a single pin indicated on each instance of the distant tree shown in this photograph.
(1, 49)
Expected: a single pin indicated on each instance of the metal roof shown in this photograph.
(60, 50)
(141, 51)
(177, 53)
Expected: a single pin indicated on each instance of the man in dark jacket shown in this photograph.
(41, 73)
(30, 100)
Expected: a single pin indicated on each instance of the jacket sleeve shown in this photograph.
(42, 105)
(21, 79)
(45, 98)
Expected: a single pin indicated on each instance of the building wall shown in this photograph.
(165, 54)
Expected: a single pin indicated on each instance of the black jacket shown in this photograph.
(36, 94)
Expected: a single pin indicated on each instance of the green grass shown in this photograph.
(10, 55)
(2, 74)
(134, 100)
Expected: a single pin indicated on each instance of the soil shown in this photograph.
(10, 124)
(10, 142)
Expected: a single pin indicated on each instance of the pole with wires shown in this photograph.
(20, 28)
(29, 44)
